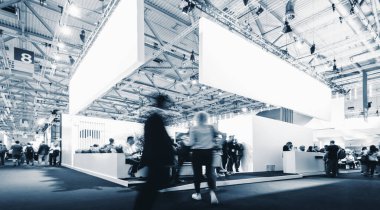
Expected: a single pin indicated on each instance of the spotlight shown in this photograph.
(192, 56)
(334, 66)
(82, 35)
(287, 28)
(245, 2)
(341, 19)
(190, 6)
(72, 61)
(259, 11)
(312, 49)
(289, 10)
(333, 7)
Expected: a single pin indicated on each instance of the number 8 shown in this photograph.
(26, 58)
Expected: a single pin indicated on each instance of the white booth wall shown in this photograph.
(263, 139)
(105, 129)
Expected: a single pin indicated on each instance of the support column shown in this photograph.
(365, 96)
(286, 115)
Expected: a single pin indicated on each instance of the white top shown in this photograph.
(202, 137)
(129, 150)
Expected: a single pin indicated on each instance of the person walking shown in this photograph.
(16, 153)
(158, 156)
(372, 160)
(43, 152)
(202, 142)
(3, 150)
(29, 154)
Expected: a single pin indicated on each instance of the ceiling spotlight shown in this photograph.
(42, 2)
(312, 49)
(245, 2)
(334, 66)
(341, 19)
(289, 10)
(72, 61)
(333, 7)
(188, 8)
(192, 56)
(259, 11)
(287, 28)
(82, 35)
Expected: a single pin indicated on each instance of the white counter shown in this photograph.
(108, 164)
(302, 162)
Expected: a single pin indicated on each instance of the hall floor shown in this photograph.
(59, 188)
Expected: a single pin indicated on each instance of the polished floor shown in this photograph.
(53, 188)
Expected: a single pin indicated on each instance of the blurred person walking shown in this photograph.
(16, 153)
(372, 160)
(29, 154)
(202, 142)
(158, 156)
(332, 159)
(3, 150)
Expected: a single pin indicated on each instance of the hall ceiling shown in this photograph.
(348, 33)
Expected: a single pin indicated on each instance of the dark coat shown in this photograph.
(158, 150)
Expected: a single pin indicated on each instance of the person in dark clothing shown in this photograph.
(183, 152)
(239, 155)
(232, 156)
(16, 153)
(372, 160)
(43, 152)
(3, 150)
(332, 159)
(288, 146)
(158, 156)
(29, 154)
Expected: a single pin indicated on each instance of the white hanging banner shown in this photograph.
(117, 51)
(231, 63)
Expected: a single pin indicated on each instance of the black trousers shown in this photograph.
(224, 160)
(203, 157)
(332, 167)
(158, 177)
(232, 160)
(135, 164)
(29, 158)
(183, 155)
(2, 156)
(371, 167)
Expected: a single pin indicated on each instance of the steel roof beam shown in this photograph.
(39, 17)
(8, 3)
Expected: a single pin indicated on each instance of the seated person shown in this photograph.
(132, 156)
(94, 148)
(108, 148)
(302, 148)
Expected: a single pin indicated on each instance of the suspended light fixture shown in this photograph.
(188, 8)
(72, 61)
(289, 10)
(245, 2)
(333, 7)
(192, 56)
(259, 11)
(82, 35)
(287, 28)
(334, 65)
(312, 49)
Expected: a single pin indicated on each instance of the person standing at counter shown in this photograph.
(132, 155)
(288, 146)
(332, 159)
(108, 147)
(158, 156)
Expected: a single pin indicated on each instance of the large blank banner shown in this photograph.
(231, 63)
(117, 51)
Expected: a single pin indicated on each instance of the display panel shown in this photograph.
(117, 51)
(231, 63)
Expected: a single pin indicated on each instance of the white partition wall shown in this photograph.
(79, 132)
(269, 136)
(117, 51)
(231, 63)
(263, 139)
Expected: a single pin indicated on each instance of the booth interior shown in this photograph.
(262, 138)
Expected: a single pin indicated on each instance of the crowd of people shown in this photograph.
(26, 153)
(369, 158)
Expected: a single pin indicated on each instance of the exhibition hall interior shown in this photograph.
(191, 104)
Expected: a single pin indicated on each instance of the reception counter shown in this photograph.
(108, 164)
(303, 162)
